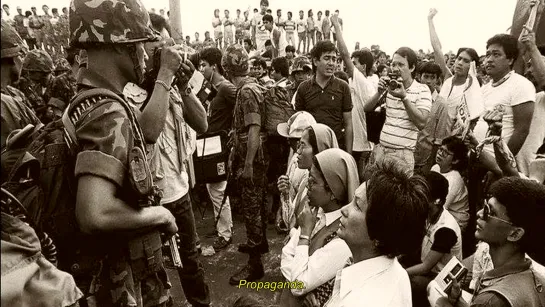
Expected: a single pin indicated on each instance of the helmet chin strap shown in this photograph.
(136, 64)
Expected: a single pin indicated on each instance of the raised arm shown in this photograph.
(342, 46)
(436, 45)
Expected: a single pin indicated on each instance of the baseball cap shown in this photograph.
(295, 126)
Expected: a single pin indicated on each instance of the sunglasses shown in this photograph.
(487, 214)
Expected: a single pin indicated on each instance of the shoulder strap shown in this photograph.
(85, 101)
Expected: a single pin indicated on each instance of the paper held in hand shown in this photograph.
(441, 284)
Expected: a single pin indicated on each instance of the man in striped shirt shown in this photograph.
(407, 110)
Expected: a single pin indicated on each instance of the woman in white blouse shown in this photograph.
(314, 252)
(387, 218)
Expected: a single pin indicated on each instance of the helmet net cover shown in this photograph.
(109, 22)
(11, 41)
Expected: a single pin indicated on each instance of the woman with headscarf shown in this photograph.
(315, 139)
(314, 252)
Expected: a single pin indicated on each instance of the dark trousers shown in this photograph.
(192, 274)
(253, 200)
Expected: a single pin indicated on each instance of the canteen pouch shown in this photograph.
(145, 254)
(140, 174)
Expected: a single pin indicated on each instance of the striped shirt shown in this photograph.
(399, 132)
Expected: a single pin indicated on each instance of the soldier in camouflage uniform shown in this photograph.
(59, 91)
(15, 111)
(130, 270)
(36, 75)
(300, 71)
(250, 161)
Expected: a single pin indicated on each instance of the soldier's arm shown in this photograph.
(105, 136)
(98, 210)
(252, 120)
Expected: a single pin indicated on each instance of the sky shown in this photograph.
(388, 23)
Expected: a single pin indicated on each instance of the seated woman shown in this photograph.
(443, 240)
(385, 219)
(314, 252)
(288, 184)
(452, 159)
(315, 139)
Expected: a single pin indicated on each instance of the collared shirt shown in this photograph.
(327, 104)
(399, 132)
(379, 281)
(315, 270)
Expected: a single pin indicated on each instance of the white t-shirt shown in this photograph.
(318, 23)
(362, 90)
(374, 78)
(535, 137)
(514, 91)
(457, 202)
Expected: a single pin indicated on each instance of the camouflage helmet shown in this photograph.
(62, 65)
(300, 63)
(38, 60)
(12, 44)
(109, 22)
(236, 61)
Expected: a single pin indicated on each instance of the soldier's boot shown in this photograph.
(262, 248)
(250, 272)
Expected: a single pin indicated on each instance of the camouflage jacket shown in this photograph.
(106, 138)
(36, 99)
(62, 87)
(15, 112)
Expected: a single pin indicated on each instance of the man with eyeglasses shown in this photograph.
(511, 222)
(408, 105)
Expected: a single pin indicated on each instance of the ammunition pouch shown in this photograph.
(145, 254)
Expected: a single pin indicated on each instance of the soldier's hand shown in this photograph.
(283, 184)
(248, 173)
(169, 227)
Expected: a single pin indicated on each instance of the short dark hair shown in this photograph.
(301, 11)
(319, 12)
(290, 48)
(279, 10)
(381, 67)
(213, 56)
(54, 10)
(268, 43)
(195, 59)
(430, 68)
(260, 62)
(327, 12)
(410, 55)
(336, 11)
(248, 41)
(397, 204)
(524, 201)
(226, 11)
(290, 14)
(5, 5)
(341, 75)
(365, 57)
(509, 43)
(322, 47)
(264, 2)
(438, 186)
(268, 18)
(282, 66)
(459, 151)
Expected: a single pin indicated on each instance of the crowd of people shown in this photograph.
(378, 169)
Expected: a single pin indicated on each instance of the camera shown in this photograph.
(393, 84)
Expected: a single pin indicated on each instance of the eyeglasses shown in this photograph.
(487, 214)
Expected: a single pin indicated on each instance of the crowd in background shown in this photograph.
(378, 169)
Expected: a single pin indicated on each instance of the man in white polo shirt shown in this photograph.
(407, 109)
(507, 88)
